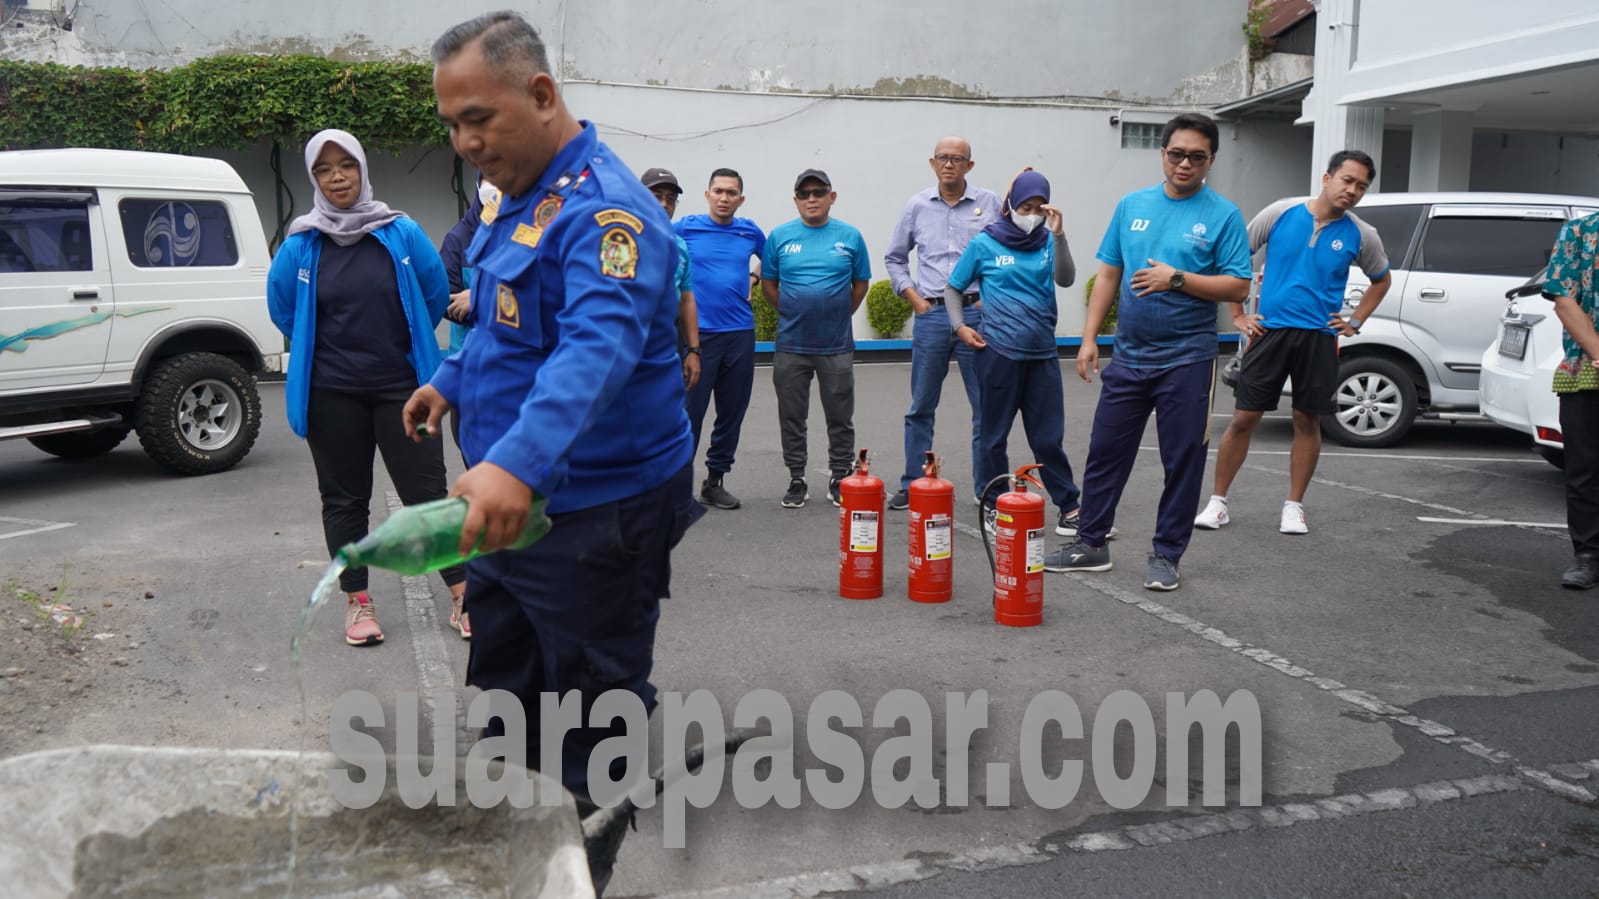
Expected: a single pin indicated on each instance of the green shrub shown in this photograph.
(1108, 326)
(765, 315)
(886, 310)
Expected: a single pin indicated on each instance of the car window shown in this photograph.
(44, 237)
(1488, 246)
(163, 233)
(1396, 225)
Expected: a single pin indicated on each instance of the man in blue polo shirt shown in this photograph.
(815, 270)
(720, 248)
(1172, 252)
(1310, 245)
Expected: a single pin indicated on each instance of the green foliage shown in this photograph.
(1254, 22)
(765, 314)
(886, 310)
(230, 102)
(1108, 326)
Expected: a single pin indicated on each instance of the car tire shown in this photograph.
(198, 413)
(1374, 403)
(1555, 457)
(82, 444)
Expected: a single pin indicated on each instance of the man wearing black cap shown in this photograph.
(663, 184)
(815, 269)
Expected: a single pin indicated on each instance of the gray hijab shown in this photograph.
(343, 226)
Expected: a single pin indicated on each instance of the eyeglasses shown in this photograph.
(947, 159)
(1196, 158)
(349, 167)
(815, 193)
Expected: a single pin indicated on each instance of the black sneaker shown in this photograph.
(1067, 525)
(1078, 556)
(1583, 573)
(798, 493)
(900, 500)
(832, 490)
(712, 493)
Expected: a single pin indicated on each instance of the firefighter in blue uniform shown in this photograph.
(570, 388)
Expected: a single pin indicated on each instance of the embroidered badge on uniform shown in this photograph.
(491, 210)
(618, 217)
(506, 309)
(618, 254)
(543, 214)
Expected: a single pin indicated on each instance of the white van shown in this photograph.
(132, 297)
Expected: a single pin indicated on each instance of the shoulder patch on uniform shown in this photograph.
(618, 217)
(618, 254)
(506, 309)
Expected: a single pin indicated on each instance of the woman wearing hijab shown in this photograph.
(1017, 264)
(358, 289)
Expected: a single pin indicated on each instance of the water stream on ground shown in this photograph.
(325, 588)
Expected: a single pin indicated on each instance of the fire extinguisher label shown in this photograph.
(863, 532)
(1035, 551)
(937, 542)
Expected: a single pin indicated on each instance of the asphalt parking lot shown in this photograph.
(1427, 690)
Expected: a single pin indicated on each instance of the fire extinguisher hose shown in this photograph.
(982, 516)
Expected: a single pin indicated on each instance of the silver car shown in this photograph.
(1453, 257)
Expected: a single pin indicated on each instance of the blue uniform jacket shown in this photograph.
(571, 381)
(291, 298)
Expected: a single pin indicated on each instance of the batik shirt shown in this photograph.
(1572, 273)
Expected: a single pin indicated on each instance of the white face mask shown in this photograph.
(1026, 222)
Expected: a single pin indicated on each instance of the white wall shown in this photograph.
(1542, 163)
(875, 151)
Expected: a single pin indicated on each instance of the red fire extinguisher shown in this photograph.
(931, 547)
(1018, 553)
(860, 540)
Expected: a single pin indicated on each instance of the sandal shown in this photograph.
(458, 616)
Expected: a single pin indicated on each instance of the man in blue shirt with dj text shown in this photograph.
(815, 270)
(1172, 252)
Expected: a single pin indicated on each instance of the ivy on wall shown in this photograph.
(224, 102)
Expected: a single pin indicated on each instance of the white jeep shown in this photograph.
(132, 297)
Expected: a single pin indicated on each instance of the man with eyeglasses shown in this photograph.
(814, 271)
(937, 224)
(1186, 249)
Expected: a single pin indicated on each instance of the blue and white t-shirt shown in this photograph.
(1307, 263)
(815, 269)
(1018, 294)
(1201, 234)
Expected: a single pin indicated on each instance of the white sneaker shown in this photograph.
(1294, 520)
(1215, 516)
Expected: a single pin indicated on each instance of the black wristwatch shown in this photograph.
(692, 349)
(1177, 281)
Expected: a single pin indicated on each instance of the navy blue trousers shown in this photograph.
(1181, 399)
(577, 611)
(727, 370)
(1033, 388)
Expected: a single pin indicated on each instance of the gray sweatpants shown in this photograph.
(835, 379)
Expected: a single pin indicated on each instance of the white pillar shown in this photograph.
(1440, 150)
(1338, 127)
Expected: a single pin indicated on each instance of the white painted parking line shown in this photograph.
(1392, 457)
(37, 527)
(1494, 521)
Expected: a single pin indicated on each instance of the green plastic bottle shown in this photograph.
(427, 536)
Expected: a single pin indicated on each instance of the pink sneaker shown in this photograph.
(361, 622)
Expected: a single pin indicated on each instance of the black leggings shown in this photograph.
(343, 430)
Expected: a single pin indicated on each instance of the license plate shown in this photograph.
(1513, 342)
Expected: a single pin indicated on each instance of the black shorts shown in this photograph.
(1309, 357)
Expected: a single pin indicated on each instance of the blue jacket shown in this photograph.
(291, 298)
(571, 379)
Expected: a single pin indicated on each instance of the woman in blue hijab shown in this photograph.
(1017, 261)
